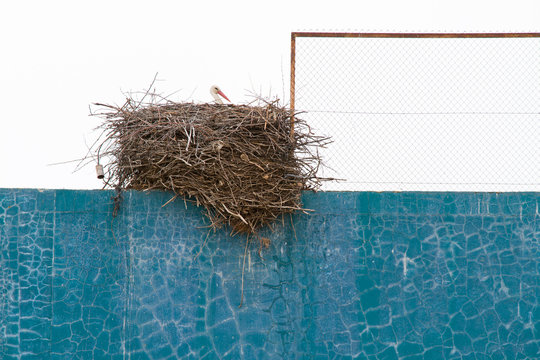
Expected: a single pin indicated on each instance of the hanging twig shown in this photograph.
(243, 268)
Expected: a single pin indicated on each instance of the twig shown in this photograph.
(203, 245)
(243, 268)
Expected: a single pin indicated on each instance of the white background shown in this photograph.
(424, 114)
(57, 57)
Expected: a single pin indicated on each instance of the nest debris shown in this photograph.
(239, 161)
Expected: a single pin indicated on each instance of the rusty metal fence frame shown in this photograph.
(295, 35)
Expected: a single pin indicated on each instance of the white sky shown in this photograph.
(57, 57)
(424, 114)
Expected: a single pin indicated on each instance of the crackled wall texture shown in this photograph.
(366, 276)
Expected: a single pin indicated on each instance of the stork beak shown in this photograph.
(223, 95)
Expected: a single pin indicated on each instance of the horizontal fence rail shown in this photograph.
(428, 111)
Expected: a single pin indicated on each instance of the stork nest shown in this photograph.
(241, 162)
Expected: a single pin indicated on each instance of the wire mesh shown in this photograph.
(423, 114)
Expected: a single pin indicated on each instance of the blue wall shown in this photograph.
(367, 276)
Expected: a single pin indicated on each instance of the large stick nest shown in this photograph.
(241, 162)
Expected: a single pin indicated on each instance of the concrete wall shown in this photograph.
(366, 276)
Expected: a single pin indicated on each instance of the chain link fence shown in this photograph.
(422, 112)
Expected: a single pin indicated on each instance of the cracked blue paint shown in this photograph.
(367, 276)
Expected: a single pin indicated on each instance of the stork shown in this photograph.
(215, 91)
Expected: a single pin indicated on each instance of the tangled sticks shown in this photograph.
(239, 161)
